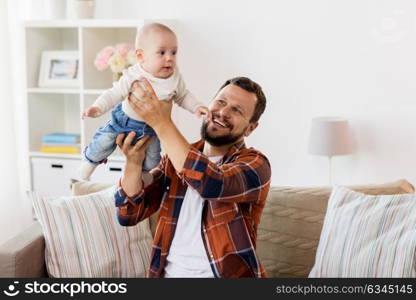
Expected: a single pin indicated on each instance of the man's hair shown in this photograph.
(142, 33)
(253, 87)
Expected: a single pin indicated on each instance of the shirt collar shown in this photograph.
(233, 149)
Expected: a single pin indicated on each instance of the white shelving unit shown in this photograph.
(58, 109)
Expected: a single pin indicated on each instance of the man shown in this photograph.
(210, 194)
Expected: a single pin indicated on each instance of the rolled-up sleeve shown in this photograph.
(132, 210)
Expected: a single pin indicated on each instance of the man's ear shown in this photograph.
(139, 55)
(251, 128)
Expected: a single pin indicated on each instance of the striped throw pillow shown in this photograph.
(84, 239)
(367, 236)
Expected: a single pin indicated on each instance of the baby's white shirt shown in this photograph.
(162, 87)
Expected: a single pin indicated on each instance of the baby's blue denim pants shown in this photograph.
(104, 141)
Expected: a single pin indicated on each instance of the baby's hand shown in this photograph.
(202, 111)
(92, 112)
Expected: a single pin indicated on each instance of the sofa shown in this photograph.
(287, 240)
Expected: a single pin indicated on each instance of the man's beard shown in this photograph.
(219, 140)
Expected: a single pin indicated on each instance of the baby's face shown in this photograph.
(158, 56)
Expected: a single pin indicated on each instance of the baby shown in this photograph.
(156, 48)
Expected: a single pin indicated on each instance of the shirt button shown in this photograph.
(212, 256)
(167, 188)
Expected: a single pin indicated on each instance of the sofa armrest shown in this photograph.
(24, 254)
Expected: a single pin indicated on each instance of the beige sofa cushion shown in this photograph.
(291, 224)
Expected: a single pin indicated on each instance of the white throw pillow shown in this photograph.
(367, 236)
(84, 239)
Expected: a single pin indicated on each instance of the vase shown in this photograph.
(56, 9)
(84, 9)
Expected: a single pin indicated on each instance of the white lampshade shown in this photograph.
(330, 136)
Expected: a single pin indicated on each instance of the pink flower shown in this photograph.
(101, 64)
(123, 49)
(103, 57)
(117, 58)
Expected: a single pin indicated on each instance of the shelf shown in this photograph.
(88, 23)
(58, 109)
(71, 156)
(54, 155)
(52, 91)
(64, 91)
(93, 91)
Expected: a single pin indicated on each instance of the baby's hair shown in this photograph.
(146, 29)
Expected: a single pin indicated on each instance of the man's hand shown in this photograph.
(145, 103)
(134, 154)
(202, 111)
(131, 182)
(156, 114)
(92, 112)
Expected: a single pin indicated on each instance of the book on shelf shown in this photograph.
(64, 138)
(61, 145)
(60, 149)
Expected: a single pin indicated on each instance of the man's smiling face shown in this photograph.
(231, 109)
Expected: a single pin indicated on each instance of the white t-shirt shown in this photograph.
(187, 255)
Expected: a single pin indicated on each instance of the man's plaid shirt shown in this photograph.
(235, 192)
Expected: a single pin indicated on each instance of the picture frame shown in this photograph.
(59, 69)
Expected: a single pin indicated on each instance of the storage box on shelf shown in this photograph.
(58, 109)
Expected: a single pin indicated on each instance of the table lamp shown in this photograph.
(330, 136)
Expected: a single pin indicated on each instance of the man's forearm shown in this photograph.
(174, 143)
(131, 181)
